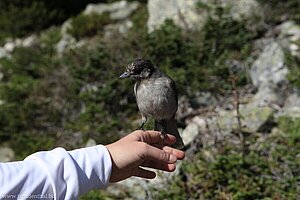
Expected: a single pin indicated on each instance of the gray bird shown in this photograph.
(156, 97)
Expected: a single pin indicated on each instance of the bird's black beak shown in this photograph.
(124, 75)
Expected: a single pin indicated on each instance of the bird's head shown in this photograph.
(138, 69)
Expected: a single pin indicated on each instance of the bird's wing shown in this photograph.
(172, 85)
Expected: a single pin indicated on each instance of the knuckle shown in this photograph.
(164, 156)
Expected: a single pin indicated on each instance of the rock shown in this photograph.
(190, 133)
(202, 132)
(248, 11)
(268, 74)
(253, 118)
(269, 68)
(120, 28)
(3, 53)
(6, 154)
(90, 88)
(203, 99)
(294, 48)
(65, 26)
(124, 11)
(190, 16)
(291, 106)
(18, 42)
(183, 13)
(30, 41)
(135, 186)
(140, 188)
(200, 122)
(91, 142)
(245, 9)
(65, 43)
(9, 46)
(119, 10)
(290, 31)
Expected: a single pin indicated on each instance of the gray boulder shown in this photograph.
(190, 15)
(3, 53)
(268, 74)
(248, 11)
(65, 42)
(6, 154)
(140, 188)
(119, 10)
(9, 46)
(190, 133)
(291, 106)
(183, 13)
(253, 118)
(119, 27)
(91, 142)
(289, 32)
(29, 41)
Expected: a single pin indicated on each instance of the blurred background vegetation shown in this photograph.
(51, 100)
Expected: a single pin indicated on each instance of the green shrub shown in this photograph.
(104, 114)
(276, 10)
(291, 127)
(88, 25)
(49, 38)
(26, 113)
(19, 18)
(269, 169)
(293, 63)
(95, 195)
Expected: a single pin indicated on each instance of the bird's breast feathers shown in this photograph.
(156, 98)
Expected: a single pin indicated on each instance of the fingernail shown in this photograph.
(172, 158)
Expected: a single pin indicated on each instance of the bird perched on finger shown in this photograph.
(156, 96)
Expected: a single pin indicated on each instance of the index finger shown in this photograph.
(152, 153)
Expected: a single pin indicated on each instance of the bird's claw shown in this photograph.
(163, 136)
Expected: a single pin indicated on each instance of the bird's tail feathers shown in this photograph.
(169, 126)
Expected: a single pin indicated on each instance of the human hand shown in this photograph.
(142, 149)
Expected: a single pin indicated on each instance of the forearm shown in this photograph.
(57, 174)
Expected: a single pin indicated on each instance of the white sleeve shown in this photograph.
(56, 174)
